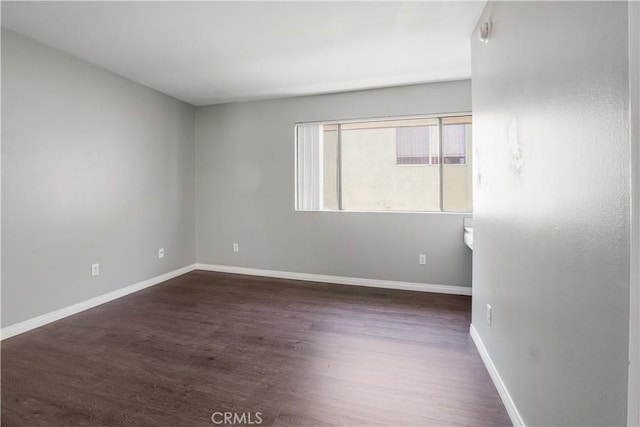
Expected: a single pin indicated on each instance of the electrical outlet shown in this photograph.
(161, 253)
(422, 259)
(236, 248)
(489, 315)
(95, 269)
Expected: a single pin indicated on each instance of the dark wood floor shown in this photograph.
(300, 354)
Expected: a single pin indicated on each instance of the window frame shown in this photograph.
(439, 116)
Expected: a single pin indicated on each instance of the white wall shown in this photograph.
(245, 194)
(95, 168)
(551, 214)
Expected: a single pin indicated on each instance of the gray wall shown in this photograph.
(551, 244)
(634, 294)
(245, 194)
(95, 168)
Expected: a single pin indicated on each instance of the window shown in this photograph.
(416, 164)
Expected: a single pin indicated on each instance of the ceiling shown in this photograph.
(214, 52)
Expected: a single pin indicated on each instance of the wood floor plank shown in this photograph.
(300, 353)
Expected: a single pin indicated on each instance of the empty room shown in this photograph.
(305, 213)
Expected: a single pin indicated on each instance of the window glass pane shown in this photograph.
(388, 165)
(454, 144)
(457, 177)
(330, 167)
(418, 145)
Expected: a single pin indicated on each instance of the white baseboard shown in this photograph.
(27, 325)
(510, 406)
(354, 281)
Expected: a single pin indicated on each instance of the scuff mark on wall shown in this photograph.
(517, 151)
